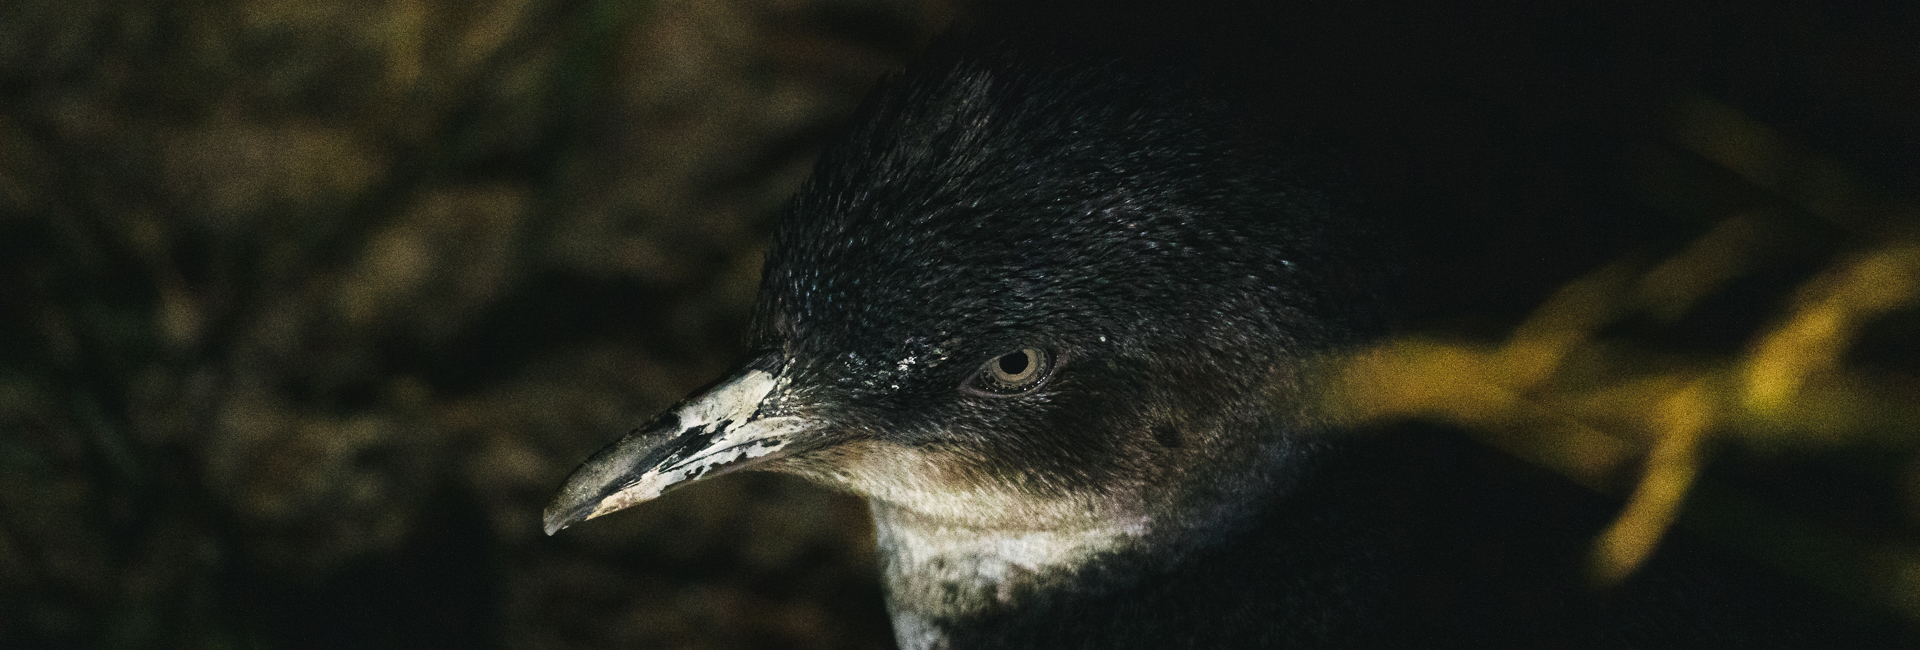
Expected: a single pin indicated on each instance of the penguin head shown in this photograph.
(1031, 288)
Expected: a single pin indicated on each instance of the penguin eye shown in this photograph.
(1012, 373)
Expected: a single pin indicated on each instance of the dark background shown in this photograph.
(306, 308)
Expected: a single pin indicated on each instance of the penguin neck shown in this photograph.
(944, 581)
(1197, 572)
(938, 572)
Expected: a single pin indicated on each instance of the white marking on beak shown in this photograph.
(726, 410)
(733, 401)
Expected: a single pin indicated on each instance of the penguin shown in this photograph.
(1054, 309)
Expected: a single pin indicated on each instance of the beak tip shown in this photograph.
(558, 518)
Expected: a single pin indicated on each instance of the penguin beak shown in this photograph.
(732, 426)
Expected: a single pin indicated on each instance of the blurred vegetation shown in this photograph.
(1580, 388)
(307, 307)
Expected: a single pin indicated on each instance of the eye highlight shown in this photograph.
(1012, 373)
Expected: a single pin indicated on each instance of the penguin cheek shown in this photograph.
(882, 469)
(944, 483)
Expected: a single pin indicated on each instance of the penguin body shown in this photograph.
(1052, 308)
